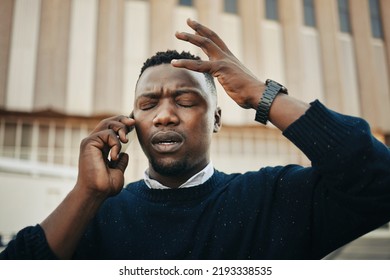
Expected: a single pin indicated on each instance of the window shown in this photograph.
(376, 24)
(9, 140)
(26, 141)
(43, 143)
(185, 2)
(345, 25)
(59, 145)
(230, 6)
(271, 9)
(309, 13)
(45, 140)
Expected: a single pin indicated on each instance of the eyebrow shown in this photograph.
(150, 95)
(187, 90)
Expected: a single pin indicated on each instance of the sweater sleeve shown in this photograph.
(350, 176)
(338, 143)
(30, 244)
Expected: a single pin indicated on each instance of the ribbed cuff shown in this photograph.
(320, 131)
(30, 244)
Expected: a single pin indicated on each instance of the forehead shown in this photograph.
(166, 77)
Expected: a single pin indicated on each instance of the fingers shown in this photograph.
(106, 142)
(121, 163)
(208, 46)
(203, 31)
(211, 44)
(121, 125)
(108, 135)
(195, 65)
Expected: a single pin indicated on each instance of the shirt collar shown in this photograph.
(198, 179)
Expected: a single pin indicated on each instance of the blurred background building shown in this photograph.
(66, 64)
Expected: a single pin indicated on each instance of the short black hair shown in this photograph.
(165, 57)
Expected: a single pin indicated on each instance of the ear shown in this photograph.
(217, 120)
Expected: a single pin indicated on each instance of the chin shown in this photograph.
(169, 167)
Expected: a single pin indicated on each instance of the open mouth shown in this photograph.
(167, 141)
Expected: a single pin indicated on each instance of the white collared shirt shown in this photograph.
(198, 179)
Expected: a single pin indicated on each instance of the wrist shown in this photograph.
(88, 194)
(255, 95)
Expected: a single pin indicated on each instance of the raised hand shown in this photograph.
(239, 83)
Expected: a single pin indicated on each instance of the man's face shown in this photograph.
(175, 118)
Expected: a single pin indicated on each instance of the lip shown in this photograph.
(167, 141)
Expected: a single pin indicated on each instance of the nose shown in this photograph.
(166, 115)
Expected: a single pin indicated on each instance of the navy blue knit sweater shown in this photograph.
(286, 212)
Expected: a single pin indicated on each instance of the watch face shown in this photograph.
(282, 88)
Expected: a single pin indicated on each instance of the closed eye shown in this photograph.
(187, 100)
(185, 103)
(147, 105)
(147, 100)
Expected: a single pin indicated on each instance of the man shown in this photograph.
(184, 209)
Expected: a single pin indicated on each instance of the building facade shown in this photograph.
(66, 64)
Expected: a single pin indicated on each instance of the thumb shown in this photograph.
(121, 163)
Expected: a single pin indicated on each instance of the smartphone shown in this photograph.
(130, 136)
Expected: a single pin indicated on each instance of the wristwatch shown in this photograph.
(272, 89)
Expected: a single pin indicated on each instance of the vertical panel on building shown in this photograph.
(161, 25)
(22, 61)
(252, 15)
(251, 41)
(367, 74)
(272, 41)
(109, 57)
(348, 75)
(312, 85)
(136, 51)
(207, 12)
(273, 54)
(82, 51)
(328, 29)
(6, 14)
(52, 60)
(383, 94)
(136, 43)
(312, 82)
(291, 18)
(385, 12)
(180, 16)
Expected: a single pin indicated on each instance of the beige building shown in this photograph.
(66, 64)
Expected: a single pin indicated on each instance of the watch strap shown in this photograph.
(272, 89)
